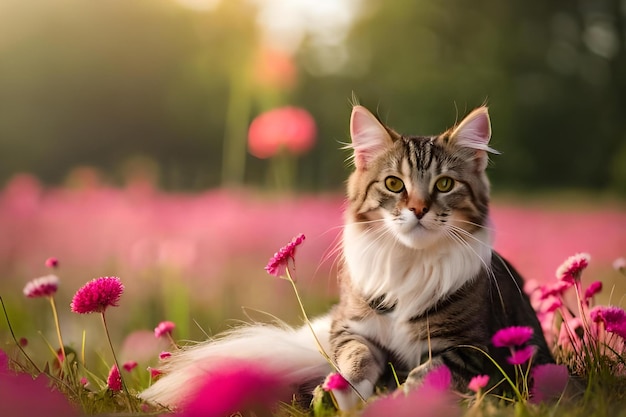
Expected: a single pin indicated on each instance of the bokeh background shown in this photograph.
(124, 141)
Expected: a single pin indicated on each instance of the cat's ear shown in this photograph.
(474, 132)
(369, 136)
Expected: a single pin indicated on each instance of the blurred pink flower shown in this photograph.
(549, 382)
(335, 381)
(614, 319)
(278, 262)
(129, 365)
(154, 373)
(512, 336)
(23, 342)
(164, 355)
(275, 69)
(42, 287)
(52, 263)
(164, 328)
(594, 288)
(426, 400)
(478, 382)
(286, 127)
(572, 268)
(620, 264)
(21, 395)
(439, 378)
(236, 387)
(114, 380)
(555, 290)
(84, 381)
(521, 356)
(97, 295)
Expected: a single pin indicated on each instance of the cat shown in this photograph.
(419, 281)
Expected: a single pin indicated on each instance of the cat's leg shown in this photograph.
(361, 363)
(416, 376)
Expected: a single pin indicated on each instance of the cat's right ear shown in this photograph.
(369, 137)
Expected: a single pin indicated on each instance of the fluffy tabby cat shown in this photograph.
(419, 279)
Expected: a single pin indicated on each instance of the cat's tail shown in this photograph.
(289, 354)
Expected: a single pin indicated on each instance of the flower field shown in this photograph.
(196, 259)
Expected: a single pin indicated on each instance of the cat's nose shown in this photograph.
(419, 211)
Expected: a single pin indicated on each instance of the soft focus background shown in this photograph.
(179, 143)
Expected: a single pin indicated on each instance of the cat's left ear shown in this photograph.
(474, 132)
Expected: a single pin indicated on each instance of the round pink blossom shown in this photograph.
(549, 382)
(572, 268)
(114, 380)
(154, 373)
(290, 128)
(614, 319)
(129, 366)
(512, 336)
(594, 288)
(335, 381)
(97, 295)
(521, 356)
(164, 328)
(478, 382)
(52, 263)
(84, 381)
(278, 262)
(42, 287)
(164, 355)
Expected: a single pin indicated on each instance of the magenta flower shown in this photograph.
(84, 381)
(335, 381)
(592, 290)
(129, 366)
(553, 306)
(97, 295)
(278, 263)
(233, 388)
(288, 128)
(512, 336)
(549, 382)
(614, 319)
(164, 355)
(114, 380)
(521, 356)
(439, 378)
(555, 290)
(572, 268)
(52, 263)
(42, 287)
(154, 373)
(478, 382)
(164, 328)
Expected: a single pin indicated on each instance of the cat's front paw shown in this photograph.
(350, 397)
(417, 375)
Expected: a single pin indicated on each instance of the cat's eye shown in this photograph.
(394, 184)
(444, 184)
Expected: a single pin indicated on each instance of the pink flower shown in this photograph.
(521, 356)
(23, 342)
(286, 127)
(592, 290)
(335, 381)
(614, 319)
(154, 373)
(620, 264)
(279, 261)
(114, 380)
(439, 378)
(129, 366)
(52, 263)
(549, 382)
(555, 290)
(42, 287)
(572, 268)
(164, 328)
(478, 382)
(164, 355)
(97, 295)
(84, 381)
(512, 336)
(244, 388)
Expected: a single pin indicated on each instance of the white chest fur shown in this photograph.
(415, 280)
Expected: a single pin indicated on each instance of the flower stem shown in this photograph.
(15, 338)
(317, 341)
(56, 323)
(106, 330)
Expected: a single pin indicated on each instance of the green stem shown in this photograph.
(119, 368)
(15, 338)
(56, 323)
